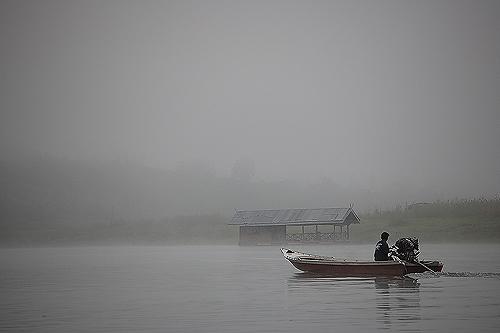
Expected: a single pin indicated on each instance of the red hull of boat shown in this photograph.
(352, 270)
(341, 267)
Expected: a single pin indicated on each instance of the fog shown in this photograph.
(364, 93)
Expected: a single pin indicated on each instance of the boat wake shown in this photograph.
(458, 274)
(471, 274)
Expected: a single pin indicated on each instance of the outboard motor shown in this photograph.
(405, 249)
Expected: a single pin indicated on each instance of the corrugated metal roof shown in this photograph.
(295, 216)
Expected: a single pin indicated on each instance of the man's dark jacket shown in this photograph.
(382, 251)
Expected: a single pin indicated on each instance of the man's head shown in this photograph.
(384, 235)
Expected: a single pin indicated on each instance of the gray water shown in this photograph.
(233, 289)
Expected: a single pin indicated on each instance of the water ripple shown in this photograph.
(455, 274)
(471, 275)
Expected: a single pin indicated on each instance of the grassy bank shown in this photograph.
(432, 230)
(475, 220)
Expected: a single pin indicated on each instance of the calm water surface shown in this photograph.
(233, 289)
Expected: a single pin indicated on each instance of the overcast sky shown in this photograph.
(364, 91)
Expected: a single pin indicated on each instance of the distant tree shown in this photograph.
(243, 169)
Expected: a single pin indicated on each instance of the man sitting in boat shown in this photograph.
(382, 248)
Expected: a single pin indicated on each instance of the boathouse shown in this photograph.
(273, 226)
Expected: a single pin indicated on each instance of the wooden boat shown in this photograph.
(343, 267)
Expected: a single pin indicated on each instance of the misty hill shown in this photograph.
(46, 200)
(43, 190)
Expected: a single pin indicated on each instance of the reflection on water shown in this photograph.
(397, 299)
(390, 302)
(416, 302)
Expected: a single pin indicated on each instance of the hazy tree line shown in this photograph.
(43, 192)
(44, 189)
(482, 207)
